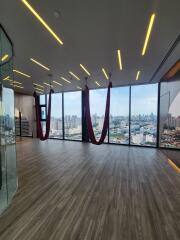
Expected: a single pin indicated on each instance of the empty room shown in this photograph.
(89, 120)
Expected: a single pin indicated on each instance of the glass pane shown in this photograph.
(5, 48)
(144, 115)
(43, 113)
(8, 178)
(24, 113)
(42, 100)
(97, 108)
(56, 116)
(119, 115)
(72, 115)
(170, 115)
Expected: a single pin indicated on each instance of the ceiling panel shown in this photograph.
(92, 31)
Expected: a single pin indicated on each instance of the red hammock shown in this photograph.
(38, 117)
(88, 117)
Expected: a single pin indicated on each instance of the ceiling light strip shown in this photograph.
(97, 83)
(40, 64)
(36, 88)
(138, 74)
(65, 80)
(4, 57)
(34, 12)
(38, 85)
(79, 87)
(16, 82)
(148, 33)
(85, 70)
(49, 85)
(57, 83)
(39, 92)
(74, 75)
(119, 59)
(21, 73)
(17, 86)
(105, 74)
(6, 78)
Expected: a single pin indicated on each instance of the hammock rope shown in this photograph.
(38, 117)
(88, 116)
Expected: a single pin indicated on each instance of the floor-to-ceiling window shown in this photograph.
(56, 130)
(119, 115)
(142, 109)
(72, 115)
(169, 127)
(144, 114)
(97, 109)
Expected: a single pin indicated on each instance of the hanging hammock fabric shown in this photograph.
(38, 117)
(88, 117)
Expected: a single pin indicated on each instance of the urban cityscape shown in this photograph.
(7, 130)
(143, 128)
(170, 115)
(170, 135)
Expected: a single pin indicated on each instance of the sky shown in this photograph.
(144, 101)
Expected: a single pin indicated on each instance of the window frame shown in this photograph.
(130, 99)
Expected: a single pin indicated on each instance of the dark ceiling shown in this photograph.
(92, 31)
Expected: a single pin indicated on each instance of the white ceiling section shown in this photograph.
(91, 31)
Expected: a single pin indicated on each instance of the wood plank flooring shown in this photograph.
(72, 190)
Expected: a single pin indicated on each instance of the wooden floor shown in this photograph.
(70, 190)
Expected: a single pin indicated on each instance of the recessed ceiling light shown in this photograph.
(119, 59)
(65, 80)
(57, 83)
(40, 64)
(21, 73)
(137, 75)
(49, 85)
(6, 78)
(97, 83)
(74, 75)
(86, 71)
(34, 12)
(105, 74)
(148, 33)
(4, 57)
(79, 87)
(38, 85)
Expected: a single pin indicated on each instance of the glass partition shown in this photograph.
(8, 178)
(8, 149)
(24, 115)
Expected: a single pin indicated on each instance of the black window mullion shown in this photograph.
(158, 115)
(129, 115)
(63, 131)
